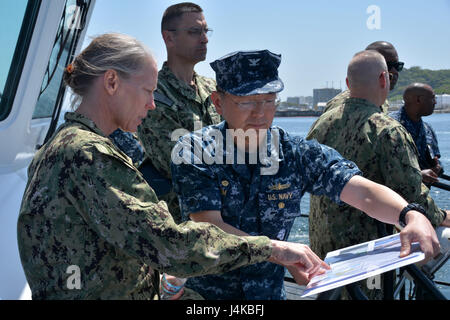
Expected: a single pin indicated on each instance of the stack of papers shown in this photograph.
(362, 261)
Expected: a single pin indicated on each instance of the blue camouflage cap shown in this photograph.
(245, 73)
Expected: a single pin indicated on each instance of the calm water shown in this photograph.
(440, 123)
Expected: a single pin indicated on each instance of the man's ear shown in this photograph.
(419, 99)
(168, 38)
(111, 81)
(347, 82)
(383, 79)
(216, 98)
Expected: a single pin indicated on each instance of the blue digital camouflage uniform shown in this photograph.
(423, 135)
(86, 206)
(129, 144)
(256, 203)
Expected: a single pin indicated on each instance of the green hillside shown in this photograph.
(439, 80)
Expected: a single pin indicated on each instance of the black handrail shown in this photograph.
(355, 292)
(334, 294)
(424, 282)
(389, 291)
(441, 185)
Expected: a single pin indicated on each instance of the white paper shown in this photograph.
(362, 261)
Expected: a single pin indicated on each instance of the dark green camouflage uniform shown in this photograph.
(185, 106)
(344, 95)
(86, 205)
(385, 152)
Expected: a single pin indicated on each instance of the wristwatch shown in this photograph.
(409, 207)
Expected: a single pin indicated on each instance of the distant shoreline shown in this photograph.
(447, 110)
(299, 114)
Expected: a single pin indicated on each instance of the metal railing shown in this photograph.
(421, 283)
(421, 286)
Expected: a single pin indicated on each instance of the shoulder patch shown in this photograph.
(161, 98)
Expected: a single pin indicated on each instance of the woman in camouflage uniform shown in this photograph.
(90, 227)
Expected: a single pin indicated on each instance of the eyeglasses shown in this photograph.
(197, 32)
(397, 65)
(266, 105)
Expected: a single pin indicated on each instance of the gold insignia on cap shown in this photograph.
(225, 183)
(281, 205)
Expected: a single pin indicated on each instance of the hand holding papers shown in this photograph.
(362, 261)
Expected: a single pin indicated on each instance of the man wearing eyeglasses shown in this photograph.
(247, 177)
(182, 97)
(388, 51)
(383, 150)
(419, 101)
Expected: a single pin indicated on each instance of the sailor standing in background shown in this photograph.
(182, 97)
(419, 101)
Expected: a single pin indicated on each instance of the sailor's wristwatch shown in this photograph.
(409, 207)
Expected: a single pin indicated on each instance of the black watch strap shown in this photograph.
(409, 207)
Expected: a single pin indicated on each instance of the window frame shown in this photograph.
(19, 57)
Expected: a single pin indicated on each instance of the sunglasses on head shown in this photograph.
(397, 65)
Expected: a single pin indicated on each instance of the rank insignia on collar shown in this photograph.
(279, 186)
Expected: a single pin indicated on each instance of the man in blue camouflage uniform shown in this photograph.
(419, 101)
(256, 188)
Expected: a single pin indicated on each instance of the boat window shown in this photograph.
(17, 20)
(52, 88)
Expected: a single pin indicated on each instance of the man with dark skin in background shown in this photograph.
(419, 101)
(388, 51)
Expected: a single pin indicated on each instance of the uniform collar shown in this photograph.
(415, 128)
(184, 89)
(404, 117)
(85, 121)
(362, 105)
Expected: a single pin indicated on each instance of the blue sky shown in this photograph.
(315, 38)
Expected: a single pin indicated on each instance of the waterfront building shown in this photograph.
(324, 95)
(442, 101)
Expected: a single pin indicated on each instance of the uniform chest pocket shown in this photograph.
(278, 210)
(284, 203)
